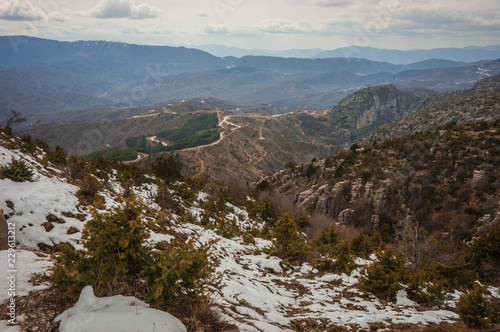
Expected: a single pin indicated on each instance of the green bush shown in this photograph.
(287, 243)
(27, 144)
(89, 186)
(58, 156)
(115, 252)
(17, 170)
(364, 245)
(343, 263)
(383, 278)
(327, 241)
(485, 254)
(179, 273)
(118, 259)
(167, 169)
(473, 308)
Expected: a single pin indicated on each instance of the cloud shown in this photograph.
(124, 9)
(216, 29)
(447, 20)
(202, 13)
(332, 3)
(20, 10)
(281, 26)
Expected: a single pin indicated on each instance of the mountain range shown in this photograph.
(44, 79)
(466, 54)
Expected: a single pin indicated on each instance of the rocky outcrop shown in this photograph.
(375, 106)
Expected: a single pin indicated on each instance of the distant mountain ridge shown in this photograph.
(18, 51)
(468, 54)
(402, 57)
(41, 78)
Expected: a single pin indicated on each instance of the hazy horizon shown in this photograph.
(280, 25)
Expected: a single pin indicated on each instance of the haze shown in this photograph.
(260, 24)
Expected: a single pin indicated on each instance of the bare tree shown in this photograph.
(15, 117)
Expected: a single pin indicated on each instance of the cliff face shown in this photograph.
(481, 103)
(446, 180)
(373, 107)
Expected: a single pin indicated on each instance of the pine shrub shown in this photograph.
(181, 273)
(343, 262)
(118, 259)
(115, 251)
(383, 278)
(474, 309)
(58, 156)
(288, 244)
(17, 170)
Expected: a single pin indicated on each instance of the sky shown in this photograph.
(260, 24)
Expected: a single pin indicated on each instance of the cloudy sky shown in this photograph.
(263, 24)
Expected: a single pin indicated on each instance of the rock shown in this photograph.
(477, 177)
(345, 216)
(72, 230)
(52, 218)
(48, 226)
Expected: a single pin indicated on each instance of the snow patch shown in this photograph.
(116, 313)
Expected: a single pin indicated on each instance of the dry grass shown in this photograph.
(202, 316)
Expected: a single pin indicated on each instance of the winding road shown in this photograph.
(225, 124)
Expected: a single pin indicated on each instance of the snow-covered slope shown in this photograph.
(259, 293)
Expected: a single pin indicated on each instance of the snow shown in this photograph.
(27, 264)
(116, 313)
(34, 201)
(4, 327)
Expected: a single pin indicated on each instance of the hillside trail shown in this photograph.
(202, 165)
(140, 156)
(225, 124)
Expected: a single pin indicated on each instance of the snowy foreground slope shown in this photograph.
(259, 293)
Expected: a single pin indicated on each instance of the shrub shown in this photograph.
(343, 263)
(180, 273)
(89, 186)
(287, 243)
(485, 254)
(383, 278)
(364, 245)
(473, 308)
(327, 241)
(28, 144)
(302, 222)
(117, 259)
(115, 252)
(58, 156)
(17, 170)
(167, 169)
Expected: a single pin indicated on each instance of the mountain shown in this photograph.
(443, 182)
(225, 51)
(64, 78)
(434, 63)
(480, 103)
(294, 65)
(468, 54)
(252, 144)
(24, 51)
